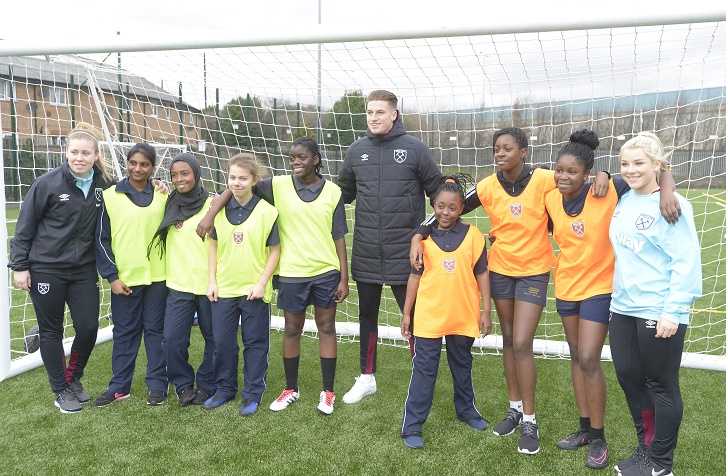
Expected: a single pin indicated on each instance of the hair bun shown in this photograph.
(586, 137)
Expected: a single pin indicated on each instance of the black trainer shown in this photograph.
(529, 439)
(186, 395)
(200, 396)
(67, 402)
(156, 397)
(509, 424)
(635, 458)
(107, 398)
(78, 391)
(645, 467)
(575, 441)
(597, 454)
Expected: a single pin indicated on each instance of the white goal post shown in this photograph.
(216, 96)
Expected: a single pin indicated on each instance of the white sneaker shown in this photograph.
(284, 400)
(327, 399)
(364, 385)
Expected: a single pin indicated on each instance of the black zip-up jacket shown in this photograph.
(56, 226)
(387, 175)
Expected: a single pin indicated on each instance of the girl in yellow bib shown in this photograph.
(187, 260)
(446, 293)
(313, 261)
(130, 213)
(243, 254)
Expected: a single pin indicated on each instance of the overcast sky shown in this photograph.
(427, 74)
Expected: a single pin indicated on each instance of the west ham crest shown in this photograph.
(400, 155)
(238, 237)
(449, 265)
(515, 209)
(578, 228)
(99, 194)
(43, 288)
(178, 225)
(643, 222)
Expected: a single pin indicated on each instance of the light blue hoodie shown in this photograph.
(657, 265)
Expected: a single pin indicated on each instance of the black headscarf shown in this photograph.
(180, 206)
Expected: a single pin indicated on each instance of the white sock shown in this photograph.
(516, 405)
(529, 418)
(367, 378)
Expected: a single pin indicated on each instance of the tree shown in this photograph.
(348, 119)
(253, 123)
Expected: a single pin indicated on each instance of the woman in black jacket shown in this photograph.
(52, 256)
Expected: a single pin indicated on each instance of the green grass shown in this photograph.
(130, 438)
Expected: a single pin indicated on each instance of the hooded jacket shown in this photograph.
(56, 225)
(387, 175)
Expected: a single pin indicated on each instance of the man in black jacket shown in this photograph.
(387, 173)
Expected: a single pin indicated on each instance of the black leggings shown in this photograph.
(369, 302)
(50, 293)
(647, 368)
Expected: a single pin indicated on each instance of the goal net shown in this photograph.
(454, 92)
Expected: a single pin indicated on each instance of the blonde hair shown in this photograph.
(652, 147)
(249, 162)
(84, 130)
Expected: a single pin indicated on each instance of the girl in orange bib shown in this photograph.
(446, 290)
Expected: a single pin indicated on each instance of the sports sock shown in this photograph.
(328, 367)
(585, 423)
(517, 405)
(597, 433)
(531, 418)
(291, 364)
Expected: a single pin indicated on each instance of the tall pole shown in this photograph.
(320, 74)
(204, 57)
(120, 130)
(181, 116)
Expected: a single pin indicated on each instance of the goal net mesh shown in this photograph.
(454, 93)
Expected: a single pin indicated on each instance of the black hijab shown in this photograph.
(180, 206)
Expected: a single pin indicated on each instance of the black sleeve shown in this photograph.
(340, 223)
(31, 213)
(105, 259)
(471, 200)
(425, 229)
(274, 237)
(428, 171)
(481, 264)
(346, 179)
(263, 189)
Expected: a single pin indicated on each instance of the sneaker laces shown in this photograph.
(580, 433)
(284, 395)
(66, 395)
(528, 429)
(512, 414)
(327, 397)
(645, 461)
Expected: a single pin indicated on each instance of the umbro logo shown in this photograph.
(364, 157)
(64, 197)
(650, 324)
